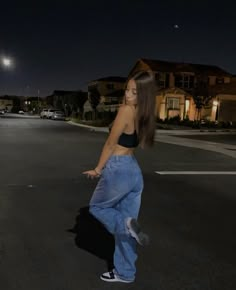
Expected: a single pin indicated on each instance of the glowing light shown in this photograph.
(6, 62)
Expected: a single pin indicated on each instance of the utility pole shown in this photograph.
(38, 100)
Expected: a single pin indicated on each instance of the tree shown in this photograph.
(201, 96)
(94, 99)
(79, 100)
(70, 101)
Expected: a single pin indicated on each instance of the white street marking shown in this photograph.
(196, 172)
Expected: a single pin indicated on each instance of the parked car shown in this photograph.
(58, 115)
(50, 113)
(47, 113)
(21, 112)
(43, 113)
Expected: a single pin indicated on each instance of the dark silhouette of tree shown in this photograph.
(79, 100)
(49, 100)
(69, 101)
(201, 96)
(94, 99)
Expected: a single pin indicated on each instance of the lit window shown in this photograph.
(173, 103)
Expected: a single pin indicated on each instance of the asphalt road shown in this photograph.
(191, 219)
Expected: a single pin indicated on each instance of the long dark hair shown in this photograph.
(146, 97)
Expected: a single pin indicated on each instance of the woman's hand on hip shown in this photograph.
(92, 173)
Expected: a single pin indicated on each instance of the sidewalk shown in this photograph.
(169, 136)
(226, 149)
(176, 131)
(92, 128)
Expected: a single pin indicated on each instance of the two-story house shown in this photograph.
(176, 84)
(110, 91)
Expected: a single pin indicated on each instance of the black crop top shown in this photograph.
(128, 140)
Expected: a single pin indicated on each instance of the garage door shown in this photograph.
(227, 111)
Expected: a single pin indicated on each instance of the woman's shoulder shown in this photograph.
(127, 112)
(126, 108)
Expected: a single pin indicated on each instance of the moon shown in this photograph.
(6, 62)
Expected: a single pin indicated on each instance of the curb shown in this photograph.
(165, 132)
(92, 128)
(194, 132)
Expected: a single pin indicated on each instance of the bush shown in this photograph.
(107, 116)
(186, 122)
(88, 115)
(226, 124)
(103, 119)
(159, 120)
(15, 109)
(173, 120)
(196, 125)
(208, 124)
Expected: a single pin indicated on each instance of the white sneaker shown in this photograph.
(112, 277)
(135, 231)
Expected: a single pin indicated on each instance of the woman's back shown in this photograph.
(128, 140)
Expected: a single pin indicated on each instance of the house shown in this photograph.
(177, 83)
(107, 92)
(6, 103)
(31, 104)
(224, 102)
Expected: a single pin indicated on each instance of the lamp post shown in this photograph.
(38, 100)
(66, 110)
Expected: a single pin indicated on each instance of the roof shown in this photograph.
(167, 66)
(111, 79)
(227, 89)
(173, 90)
(116, 94)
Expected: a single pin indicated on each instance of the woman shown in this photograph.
(117, 197)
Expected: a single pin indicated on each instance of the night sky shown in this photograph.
(63, 44)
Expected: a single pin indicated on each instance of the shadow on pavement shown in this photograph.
(92, 236)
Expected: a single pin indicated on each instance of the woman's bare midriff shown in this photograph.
(121, 150)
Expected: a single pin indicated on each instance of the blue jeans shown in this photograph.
(118, 196)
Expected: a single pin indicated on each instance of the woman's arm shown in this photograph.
(118, 127)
